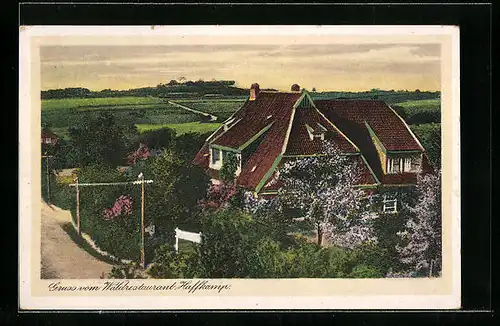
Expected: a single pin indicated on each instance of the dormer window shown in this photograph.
(402, 164)
(318, 132)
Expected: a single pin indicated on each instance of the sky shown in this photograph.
(326, 67)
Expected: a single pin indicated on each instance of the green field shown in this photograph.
(71, 103)
(420, 112)
(181, 128)
(434, 104)
(63, 113)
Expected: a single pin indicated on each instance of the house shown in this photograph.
(273, 127)
(49, 138)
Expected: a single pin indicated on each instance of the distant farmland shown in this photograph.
(147, 113)
(419, 112)
(87, 103)
(181, 128)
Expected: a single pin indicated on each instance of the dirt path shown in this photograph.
(61, 257)
(211, 116)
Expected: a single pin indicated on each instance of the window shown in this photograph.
(216, 156)
(390, 205)
(318, 133)
(393, 165)
(399, 165)
(407, 164)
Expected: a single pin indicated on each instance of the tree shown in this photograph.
(158, 139)
(322, 187)
(422, 251)
(172, 200)
(226, 245)
(101, 140)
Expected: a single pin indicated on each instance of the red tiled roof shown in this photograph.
(399, 178)
(258, 114)
(366, 177)
(387, 126)
(299, 142)
(347, 116)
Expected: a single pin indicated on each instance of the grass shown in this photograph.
(420, 112)
(147, 113)
(65, 179)
(181, 128)
(69, 103)
(80, 242)
(434, 104)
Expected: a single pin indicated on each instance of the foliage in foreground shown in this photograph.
(235, 246)
(422, 250)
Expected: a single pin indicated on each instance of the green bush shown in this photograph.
(365, 271)
(119, 236)
(169, 264)
(235, 246)
(429, 135)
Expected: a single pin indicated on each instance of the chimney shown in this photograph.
(254, 91)
(295, 88)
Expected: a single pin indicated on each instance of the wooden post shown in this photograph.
(143, 261)
(176, 241)
(48, 179)
(77, 207)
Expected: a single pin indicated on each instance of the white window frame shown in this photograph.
(314, 133)
(218, 163)
(407, 164)
(390, 205)
(400, 162)
(238, 169)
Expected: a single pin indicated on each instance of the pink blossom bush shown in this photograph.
(218, 195)
(142, 153)
(121, 207)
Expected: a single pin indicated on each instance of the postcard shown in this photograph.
(239, 167)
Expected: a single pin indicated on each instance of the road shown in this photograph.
(61, 257)
(212, 117)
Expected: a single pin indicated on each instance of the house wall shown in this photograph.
(381, 155)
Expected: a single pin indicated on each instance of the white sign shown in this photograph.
(185, 235)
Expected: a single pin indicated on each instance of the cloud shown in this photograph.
(325, 65)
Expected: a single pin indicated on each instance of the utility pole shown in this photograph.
(141, 181)
(46, 157)
(77, 206)
(143, 255)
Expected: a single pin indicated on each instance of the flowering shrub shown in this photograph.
(422, 251)
(142, 153)
(121, 207)
(322, 188)
(218, 195)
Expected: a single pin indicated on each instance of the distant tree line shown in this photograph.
(171, 89)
